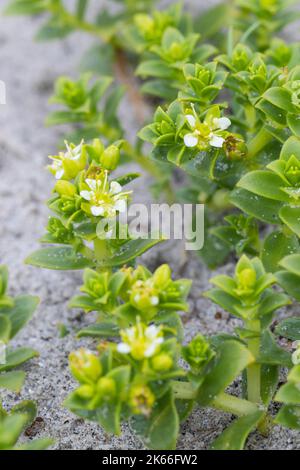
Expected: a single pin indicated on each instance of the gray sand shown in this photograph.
(29, 69)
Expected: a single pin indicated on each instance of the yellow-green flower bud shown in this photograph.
(106, 388)
(145, 24)
(65, 188)
(144, 296)
(110, 157)
(247, 278)
(162, 276)
(141, 400)
(176, 51)
(85, 391)
(95, 150)
(162, 362)
(85, 366)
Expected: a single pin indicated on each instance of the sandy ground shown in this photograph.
(29, 69)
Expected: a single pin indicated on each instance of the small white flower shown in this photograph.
(106, 198)
(205, 133)
(73, 154)
(141, 341)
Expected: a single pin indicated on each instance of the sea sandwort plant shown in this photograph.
(228, 119)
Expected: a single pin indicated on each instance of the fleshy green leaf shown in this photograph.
(289, 328)
(257, 206)
(37, 444)
(21, 312)
(58, 258)
(271, 353)
(17, 357)
(232, 358)
(269, 382)
(160, 431)
(290, 215)
(280, 97)
(265, 184)
(292, 264)
(234, 437)
(289, 416)
(289, 148)
(12, 380)
(129, 251)
(5, 328)
(99, 330)
(275, 247)
(290, 283)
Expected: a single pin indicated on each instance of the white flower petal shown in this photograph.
(150, 350)
(59, 174)
(121, 205)
(154, 300)
(191, 120)
(123, 348)
(223, 123)
(190, 140)
(152, 331)
(86, 195)
(216, 141)
(91, 183)
(97, 210)
(115, 187)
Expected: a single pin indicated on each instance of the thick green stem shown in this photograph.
(224, 401)
(233, 405)
(101, 252)
(262, 138)
(254, 370)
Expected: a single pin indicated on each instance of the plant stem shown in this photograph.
(224, 401)
(101, 251)
(233, 405)
(254, 370)
(262, 138)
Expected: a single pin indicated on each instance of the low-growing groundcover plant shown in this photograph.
(14, 314)
(227, 118)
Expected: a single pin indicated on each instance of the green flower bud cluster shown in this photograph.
(95, 388)
(129, 292)
(149, 29)
(198, 353)
(70, 93)
(242, 295)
